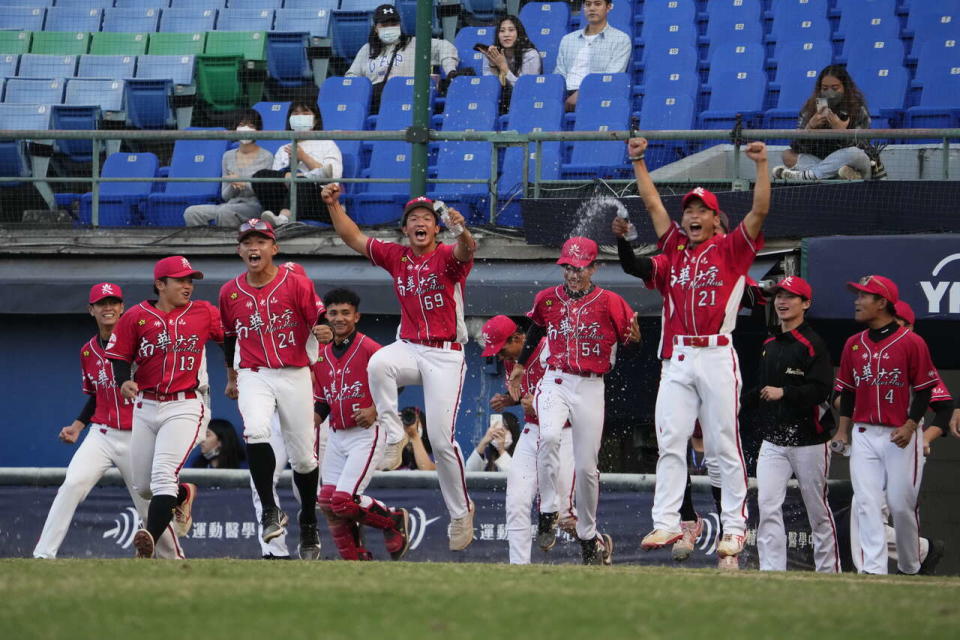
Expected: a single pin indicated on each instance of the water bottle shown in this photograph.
(444, 212)
(631, 233)
(843, 448)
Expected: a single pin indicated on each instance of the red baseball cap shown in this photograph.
(105, 290)
(296, 267)
(704, 195)
(175, 267)
(877, 285)
(420, 202)
(256, 225)
(578, 252)
(795, 285)
(495, 333)
(905, 312)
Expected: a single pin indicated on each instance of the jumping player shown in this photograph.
(269, 313)
(356, 440)
(429, 279)
(583, 325)
(503, 339)
(794, 382)
(107, 444)
(707, 277)
(165, 338)
(879, 367)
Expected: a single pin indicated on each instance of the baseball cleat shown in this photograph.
(658, 538)
(461, 530)
(568, 524)
(729, 563)
(598, 551)
(547, 530)
(392, 456)
(934, 554)
(183, 512)
(398, 538)
(274, 522)
(309, 542)
(690, 533)
(143, 543)
(730, 545)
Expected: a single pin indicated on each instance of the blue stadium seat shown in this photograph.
(141, 4)
(799, 65)
(255, 4)
(350, 27)
(464, 41)
(485, 10)
(38, 65)
(888, 52)
(470, 102)
(84, 4)
(737, 84)
(674, 72)
(344, 105)
(603, 105)
(131, 20)
(191, 159)
(536, 104)
(187, 20)
(666, 111)
(668, 11)
(26, 3)
(33, 91)
(885, 86)
(360, 5)
(148, 103)
(938, 79)
(104, 93)
(73, 19)
(546, 24)
(316, 22)
(311, 4)
(14, 158)
(8, 65)
(193, 4)
(83, 117)
(619, 17)
(22, 18)
(245, 20)
(800, 20)
(122, 203)
(107, 66)
(180, 69)
(408, 16)
(287, 60)
(665, 36)
(733, 21)
(274, 115)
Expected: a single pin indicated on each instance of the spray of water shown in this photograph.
(595, 214)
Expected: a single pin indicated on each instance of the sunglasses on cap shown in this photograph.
(255, 225)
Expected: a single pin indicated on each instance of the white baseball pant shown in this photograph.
(704, 383)
(811, 465)
(351, 457)
(101, 449)
(878, 469)
(164, 434)
(289, 393)
(277, 546)
(561, 397)
(889, 533)
(522, 488)
(441, 373)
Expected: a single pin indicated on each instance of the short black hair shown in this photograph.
(156, 291)
(303, 105)
(249, 116)
(341, 296)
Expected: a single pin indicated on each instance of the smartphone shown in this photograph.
(821, 104)
(496, 420)
(482, 48)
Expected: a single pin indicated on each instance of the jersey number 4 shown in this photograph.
(285, 340)
(587, 349)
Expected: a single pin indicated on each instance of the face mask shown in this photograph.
(301, 122)
(833, 98)
(389, 35)
(213, 453)
(245, 129)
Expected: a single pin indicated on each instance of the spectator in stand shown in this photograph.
(836, 103)
(416, 451)
(239, 201)
(495, 450)
(389, 53)
(511, 56)
(220, 449)
(597, 49)
(316, 160)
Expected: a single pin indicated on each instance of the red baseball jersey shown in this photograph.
(113, 410)
(531, 375)
(271, 323)
(166, 347)
(659, 281)
(342, 382)
(940, 392)
(582, 333)
(883, 375)
(706, 283)
(430, 289)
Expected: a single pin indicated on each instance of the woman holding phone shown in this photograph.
(510, 56)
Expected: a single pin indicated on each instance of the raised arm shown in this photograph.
(346, 228)
(636, 148)
(753, 222)
(466, 245)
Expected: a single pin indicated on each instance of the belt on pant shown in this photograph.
(169, 397)
(437, 344)
(717, 340)
(580, 374)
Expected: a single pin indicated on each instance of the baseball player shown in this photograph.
(165, 338)
(429, 279)
(794, 383)
(356, 440)
(701, 379)
(879, 367)
(269, 313)
(502, 338)
(583, 324)
(107, 444)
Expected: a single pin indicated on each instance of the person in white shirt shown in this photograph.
(494, 451)
(316, 160)
(512, 55)
(599, 48)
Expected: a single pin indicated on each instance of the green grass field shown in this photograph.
(205, 599)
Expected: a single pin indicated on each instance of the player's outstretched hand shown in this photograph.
(129, 389)
(635, 329)
(955, 423)
(513, 382)
(70, 434)
(901, 435)
(330, 193)
(756, 151)
(365, 417)
(501, 401)
(456, 218)
(323, 333)
(620, 226)
(636, 147)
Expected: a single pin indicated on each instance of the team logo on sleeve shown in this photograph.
(855, 347)
(549, 303)
(234, 295)
(141, 322)
(86, 353)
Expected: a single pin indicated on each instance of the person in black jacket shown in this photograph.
(794, 384)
